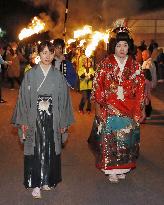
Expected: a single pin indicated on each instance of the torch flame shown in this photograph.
(82, 42)
(82, 32)
(36, 26)
(96, 37)
(71, 41)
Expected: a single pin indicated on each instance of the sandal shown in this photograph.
(113, 178)
(121, 176)
(46, 188)
(36, 193)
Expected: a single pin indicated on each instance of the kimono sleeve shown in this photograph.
(66, 111)
(21, 110)
(98, 89)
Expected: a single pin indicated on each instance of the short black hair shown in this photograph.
(59, 42)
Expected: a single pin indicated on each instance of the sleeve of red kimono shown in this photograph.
(98, 93)
(139, 96)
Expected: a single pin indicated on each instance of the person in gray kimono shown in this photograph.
(43, 113)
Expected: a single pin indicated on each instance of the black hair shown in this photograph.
(59, 42)
(43, 44)
(121, 36)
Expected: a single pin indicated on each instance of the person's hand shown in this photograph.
(24, 130)
(136, 119)
(139, 119)
(63, 130)
(8, 62)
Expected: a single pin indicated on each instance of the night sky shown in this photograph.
(15, 14)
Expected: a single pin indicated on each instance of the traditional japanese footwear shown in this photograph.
(113, 178)
(36, 193)
(121, 176)
(46, 188)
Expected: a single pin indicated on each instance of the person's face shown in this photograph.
(46, 56)
(58, 51)
(145, 55)
(121, 49)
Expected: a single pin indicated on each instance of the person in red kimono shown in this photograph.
(118, 93)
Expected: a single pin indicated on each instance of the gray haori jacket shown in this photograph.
(25, 112)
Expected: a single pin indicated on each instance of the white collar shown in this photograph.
(45, 72)
(121, 65)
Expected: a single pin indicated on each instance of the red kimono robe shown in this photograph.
(119, 133)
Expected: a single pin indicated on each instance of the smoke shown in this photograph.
(98, 13)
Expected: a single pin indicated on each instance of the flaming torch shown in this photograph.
(96, 37)
(36, 26)
(82, 32)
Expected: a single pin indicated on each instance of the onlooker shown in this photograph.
(149, 64)
(63, 65)
(148, 88)
(5, 63)
(160, 61)
(86, 74)
(13, 69)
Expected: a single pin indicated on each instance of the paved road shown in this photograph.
(82, 183)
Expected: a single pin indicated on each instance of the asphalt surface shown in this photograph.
(82, 183)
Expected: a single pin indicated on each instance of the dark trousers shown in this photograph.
(12, 80)
(148, 109)
(86, 94)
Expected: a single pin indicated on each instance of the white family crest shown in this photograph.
(44, 105)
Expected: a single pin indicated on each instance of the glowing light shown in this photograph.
(71, 41)
(82, 42)
(36, 26)
(96, 37)
(82, 32)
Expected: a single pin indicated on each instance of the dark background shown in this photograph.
(15, 14)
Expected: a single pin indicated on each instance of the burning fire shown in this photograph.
(71, 41)
(82, 32)
(94, 38)
(36, 26)
(82, 42)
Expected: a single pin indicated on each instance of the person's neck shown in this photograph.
(121, 59)
(57, 58)
(45, 67)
